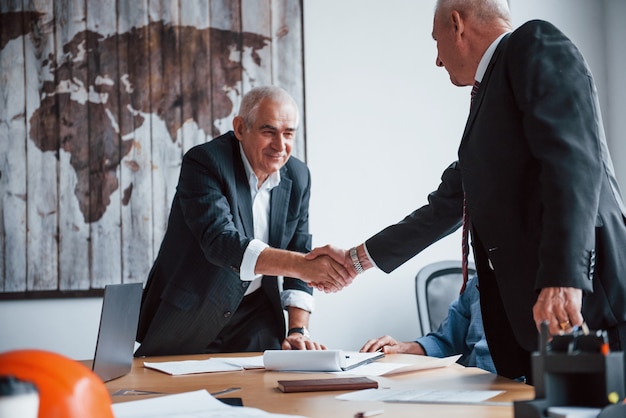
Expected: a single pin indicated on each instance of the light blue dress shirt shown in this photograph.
(462, 332)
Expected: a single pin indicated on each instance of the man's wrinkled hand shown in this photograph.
(341, 256)
(297, 341)
(560, 307)
(326, 274)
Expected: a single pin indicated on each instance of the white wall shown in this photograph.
(383, 122)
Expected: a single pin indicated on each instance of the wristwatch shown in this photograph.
(301, 330)
(355, 261)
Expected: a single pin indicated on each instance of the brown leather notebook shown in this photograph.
(314, 385)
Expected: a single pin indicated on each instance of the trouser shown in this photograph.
(253, 327)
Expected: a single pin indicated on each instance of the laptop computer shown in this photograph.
(118, 328)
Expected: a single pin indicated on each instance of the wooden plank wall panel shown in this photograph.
(69, 136)
(195, 44)
(288, 65)
(136, 168)
(166, 152)
(42, 203)
(99, 99)
(13, 155)
(225, 62)
(257, 20)
(104, 145)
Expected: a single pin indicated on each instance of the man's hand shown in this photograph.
(322, 272)
(297, 341)
(560, 307)
(339, 255)
(388, 345)
(325, 274)
(343, 257)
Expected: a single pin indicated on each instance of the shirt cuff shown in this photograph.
(430, 346)
(297, 299)
(367, 254)
(250, 257)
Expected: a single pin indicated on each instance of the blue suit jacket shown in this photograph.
(541, 193)
(194, 285)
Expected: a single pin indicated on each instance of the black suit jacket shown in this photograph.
(194, 285)
(544, 204)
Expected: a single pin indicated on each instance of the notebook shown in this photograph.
(316, 360)
(118, 328)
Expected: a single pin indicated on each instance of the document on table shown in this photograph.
(334, 361)
(424, 396)
(197, 404)
(419, 363)
(176, 368)
(316, 360)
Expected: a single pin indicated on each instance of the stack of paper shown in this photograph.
(316, 360)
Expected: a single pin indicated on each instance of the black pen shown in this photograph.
(368, 413)
(222, 392)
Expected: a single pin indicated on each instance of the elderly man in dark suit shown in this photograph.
(239, 219)
(547, 220)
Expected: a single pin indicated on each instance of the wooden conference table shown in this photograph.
(258, 389)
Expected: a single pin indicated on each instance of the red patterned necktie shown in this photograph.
(474, 91)
(465, 235)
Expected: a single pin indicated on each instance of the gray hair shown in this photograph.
(484, 10)
(251, 100)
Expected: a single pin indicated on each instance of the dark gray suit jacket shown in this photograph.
(194, 285)
(541, 193)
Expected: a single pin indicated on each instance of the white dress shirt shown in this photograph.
(261, 215)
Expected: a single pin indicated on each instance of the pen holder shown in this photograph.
(575, 369)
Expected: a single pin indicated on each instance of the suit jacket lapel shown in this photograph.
(483, 85)
(279, 204)
(243, 194)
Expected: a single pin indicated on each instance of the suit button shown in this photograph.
(490, 264)
(592, 264)
(227, 314)
(245, 284)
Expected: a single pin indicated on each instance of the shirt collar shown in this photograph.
(484, 61)
(272, 181)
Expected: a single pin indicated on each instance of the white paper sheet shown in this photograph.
(388, 369)
(424, 396)
(197, 404)
(252, 362)
(176, 368)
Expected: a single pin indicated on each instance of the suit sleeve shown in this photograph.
(555, 92)
(208, 200)
(443, 215)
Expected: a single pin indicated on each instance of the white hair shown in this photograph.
(252, 99)
(484, 10)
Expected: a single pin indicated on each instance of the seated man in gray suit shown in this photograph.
(239, 219)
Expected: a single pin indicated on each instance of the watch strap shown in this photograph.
(355, 261)
(300, 330)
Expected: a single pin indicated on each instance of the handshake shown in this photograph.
(330, 269)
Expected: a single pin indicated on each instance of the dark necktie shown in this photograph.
(465, 236)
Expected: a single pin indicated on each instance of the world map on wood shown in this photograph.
(98, 103)
(67, 95)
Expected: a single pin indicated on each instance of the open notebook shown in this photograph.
(118, 327)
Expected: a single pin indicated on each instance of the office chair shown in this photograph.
(436, 286)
